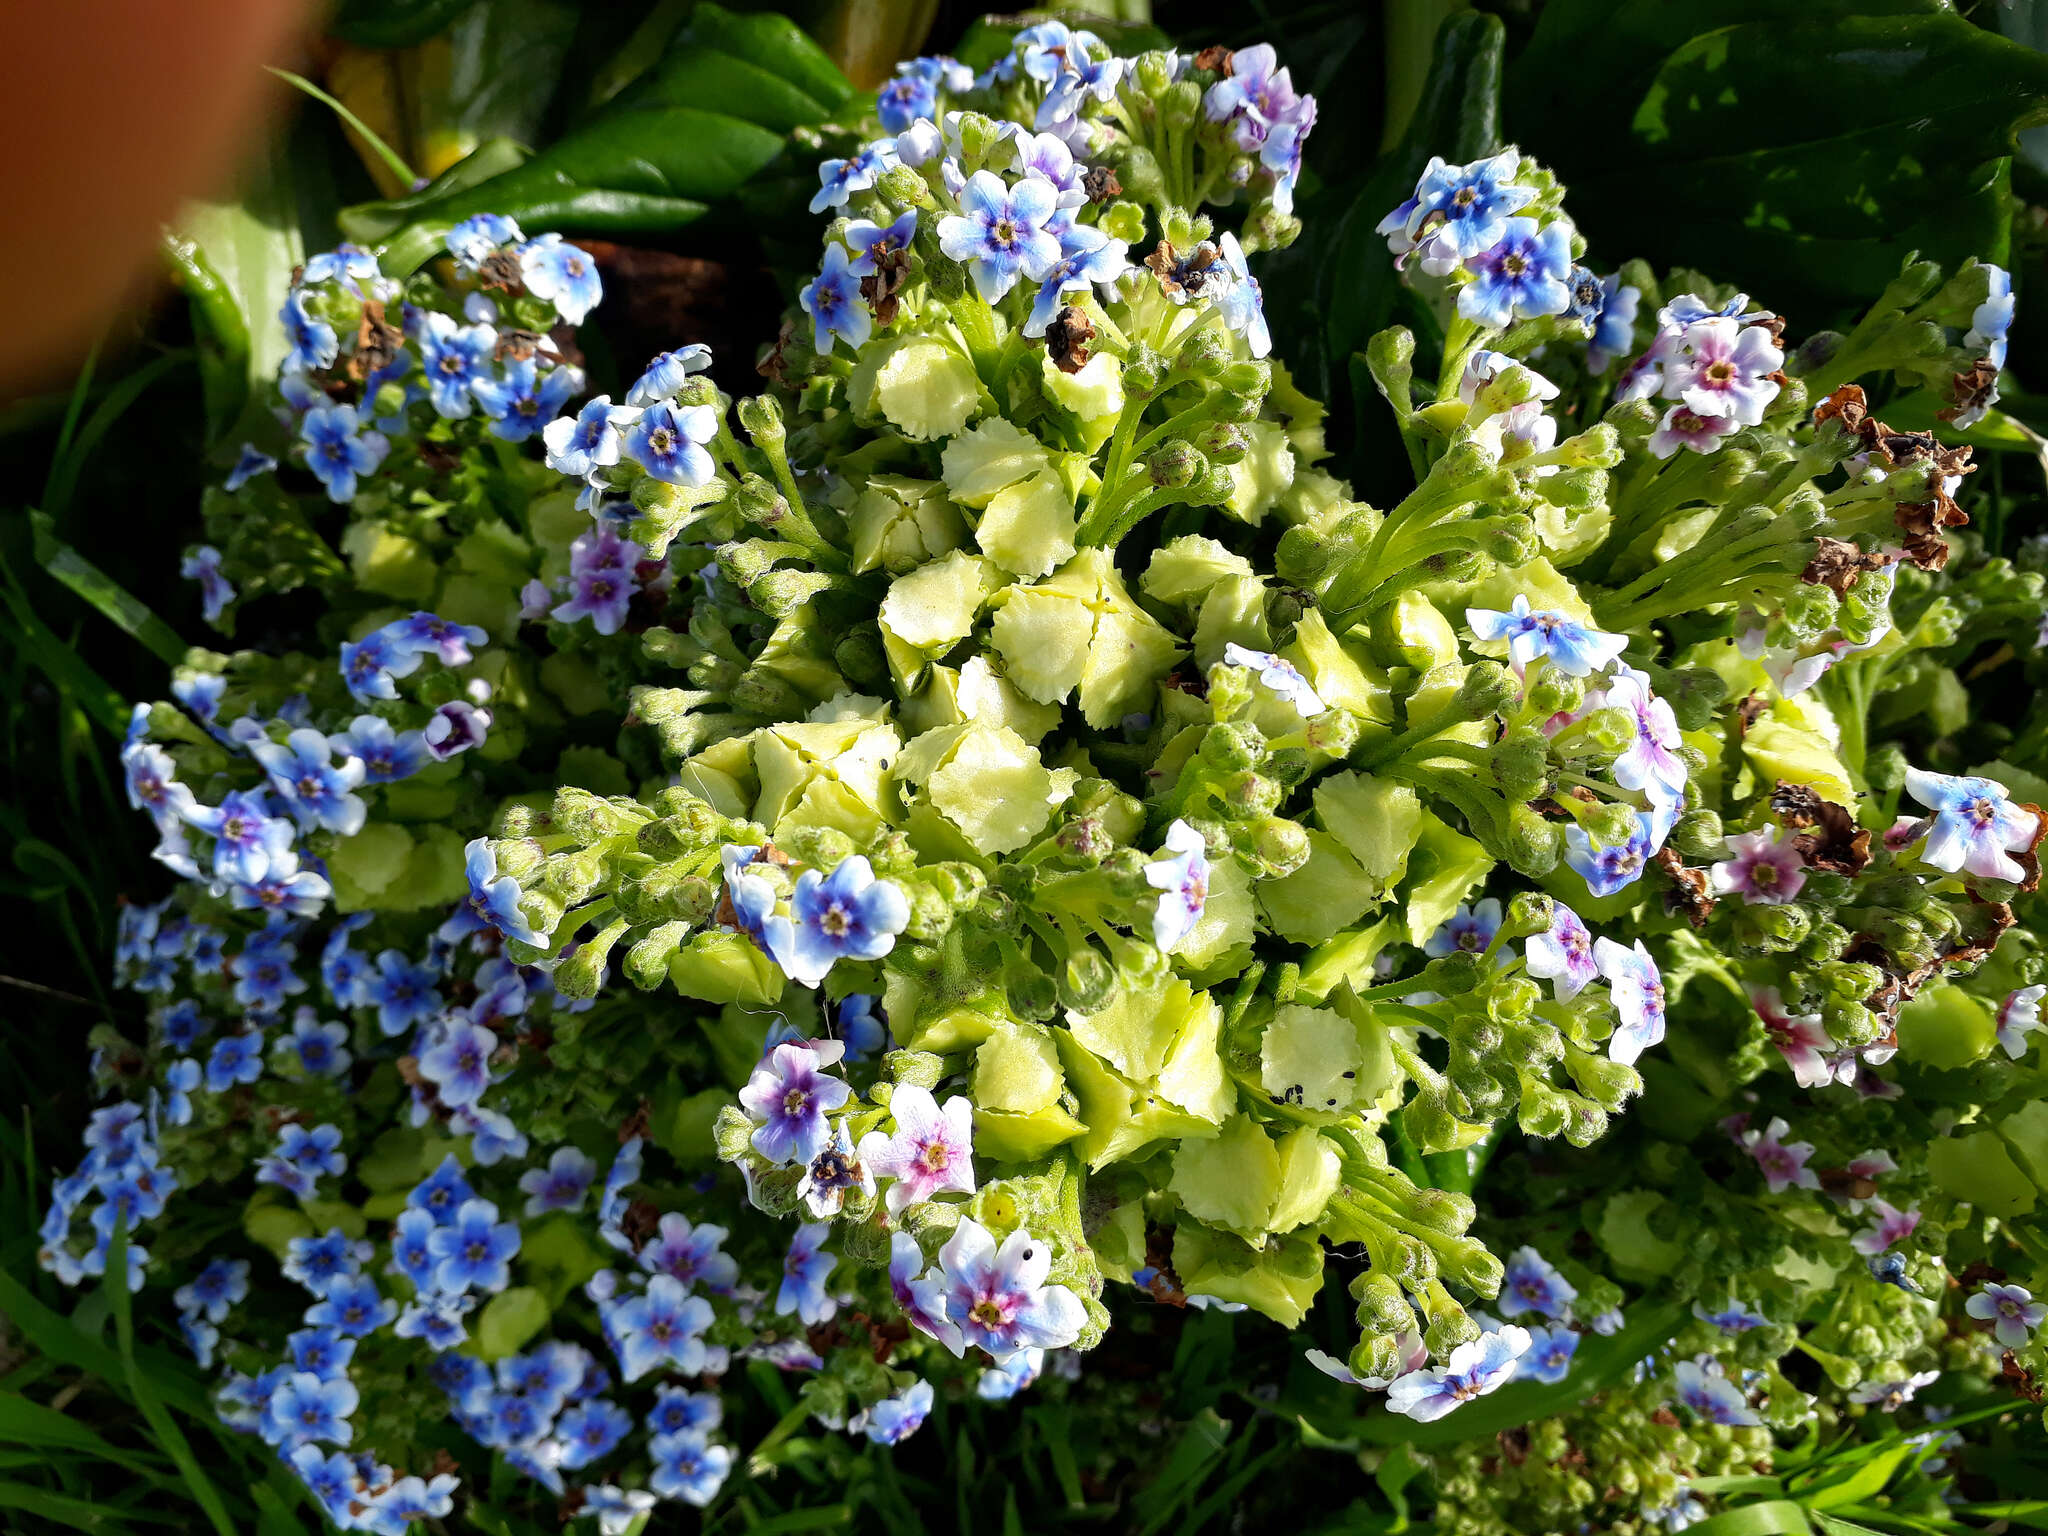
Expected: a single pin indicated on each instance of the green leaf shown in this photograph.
(220, 332)
(1851, 1481)
(502, 69)
(1779, 1517)
(77, 1514)
(770, 42)
(92, 584)
(393, 23)
(714, 81)
(26, 1422)
(1800, 152)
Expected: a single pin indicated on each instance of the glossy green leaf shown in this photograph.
(714, 81)
(770, 42)
(503, 65)
(1799, 151)
(369, 222)
(220, 332)
(1779, 1517)
(92, 584)
(393, 23)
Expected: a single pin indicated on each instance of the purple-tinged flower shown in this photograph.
(616, 1508)
(441, 1193)
(452, 357)
(677, 1410)
(321, 1351)
(688, 1466)
(522, 399)
(1001, 234)
(454, 728)
(691, 1254)
(1891, 1396)
(244, 834)
(1724, 369)
(428, 634)
(591, 1431)
(662, 1327)
(1087, 256)
(832, 1175)
(316, 1262)
(931, 1151)
(458, 1063)
(1001, 1383)
(873, 244)
(847, 914)
(805, 1270)
(316, 791)
(669, 442)
(412, 1249)
(494, 898)
(1278, 674)
(921, 1293)
(202, 565)
(1609, 868)
(603, 596)
(1800, 1038)
(1089, 69)
(1461, 210)
(1549, 1356)
(1520, 276)
(353, 1305)
(215, 1290)
(1975, 825)
(305, 1408)
(562, 1185)
(314, 343)
(789, 1095)
(1533, 1284)
(832, 299)
(1573, 648)
(1468, 930)
(1684, 427)
(2019, 1016)
(337, 452)
(998, 1297)
(591, 440)
(563, 274)
(1765, 869)
(1891, 1226)
(285, 889)
(1474, 1369)
(667, 373)
(153, 784)
(474, 1251)
(1653, 756)
(413, 1498)
(840, 179)
(2010, 1309)
(1733, 1319)
(1638, 992)
(903, 100)
(1783, 1163)
(1242, 302)
(234, 1059)
(1711, 1395)
(387, 755)
(1614, 328)
(1563, 953)
(1181, 877)
(894, 1419)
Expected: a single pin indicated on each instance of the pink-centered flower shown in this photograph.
(999, 1298)
(1765, 870)
(1891, 1226)
(2019, 1016)
(1799, 1037)
(931, 1151)
(2011, 1311)
(1783, 1163)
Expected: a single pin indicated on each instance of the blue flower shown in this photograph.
(840, 179)
(330, 1478)
(235, 1059)
(1089, 69)
(666, 374)
(561, 1186)
(905, 99)
(1563, 954)
(316, 791)
(848, 913)
(872, 244)
(253, 462)
(616, 1508)
(215, 1290)
(805, 1270)
(590, 1431)
(349, 263)
(790, 1097)
(215, 590)
(1609, 869)
(860, 1031)
(1573, 648)
(153, 785)
(1614, 328)
(343, 970)
(1470, 929)
(1001, 236)
(1975, 825)
(1460, 210)
(453, 357)
(998, 1297)
(1473, 1370)
(895, 1419)
(316, 1262)
(1521, 276)
(669, 443)
(336, 452)
(458, 1063)
(688, 1466)
(245, 835)
(1087, 256)
(306, 1408)
(833, 301)
(1711, 1395)
(387, 755)
(590, 440)
(1549, 1357)
(285, 889)
(412, 1498)
(314, 344)
(412, 1254)
(181, 1080)
(354, 1305)
(321, 1352)
(442, 1193)
(1637, 988)
(371, 666)
(1242, 302)
(1735, 1318)
(200, 1337)
(663, 1326)
(563, 274)
(1991, 319)
(522, 400)
(678, 1410)
(436, 1320)
(494, 898)
(1003, 1382)
(403, 993)
(1532, 1284)
(475, 1250)
(480, 235)
(428, 634)
(316, 1151)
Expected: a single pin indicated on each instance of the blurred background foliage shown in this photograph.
(1799, 152)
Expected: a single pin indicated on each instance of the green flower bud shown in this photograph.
(1698, 836)
(1281, 846)
(733, 1134)
(1488, 688)
(1086, 980)
(519, 857)
(1175, 463)
(1521, 761)
(1122, 220)
(904, 188)
(1553, 693)
(1144, 373)
(1534, 842)
(1543, 1110)
(1232, 746)
(1179, 105)
(1223, 442)
(1205, 354)
(646, 964)
(761, 416)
